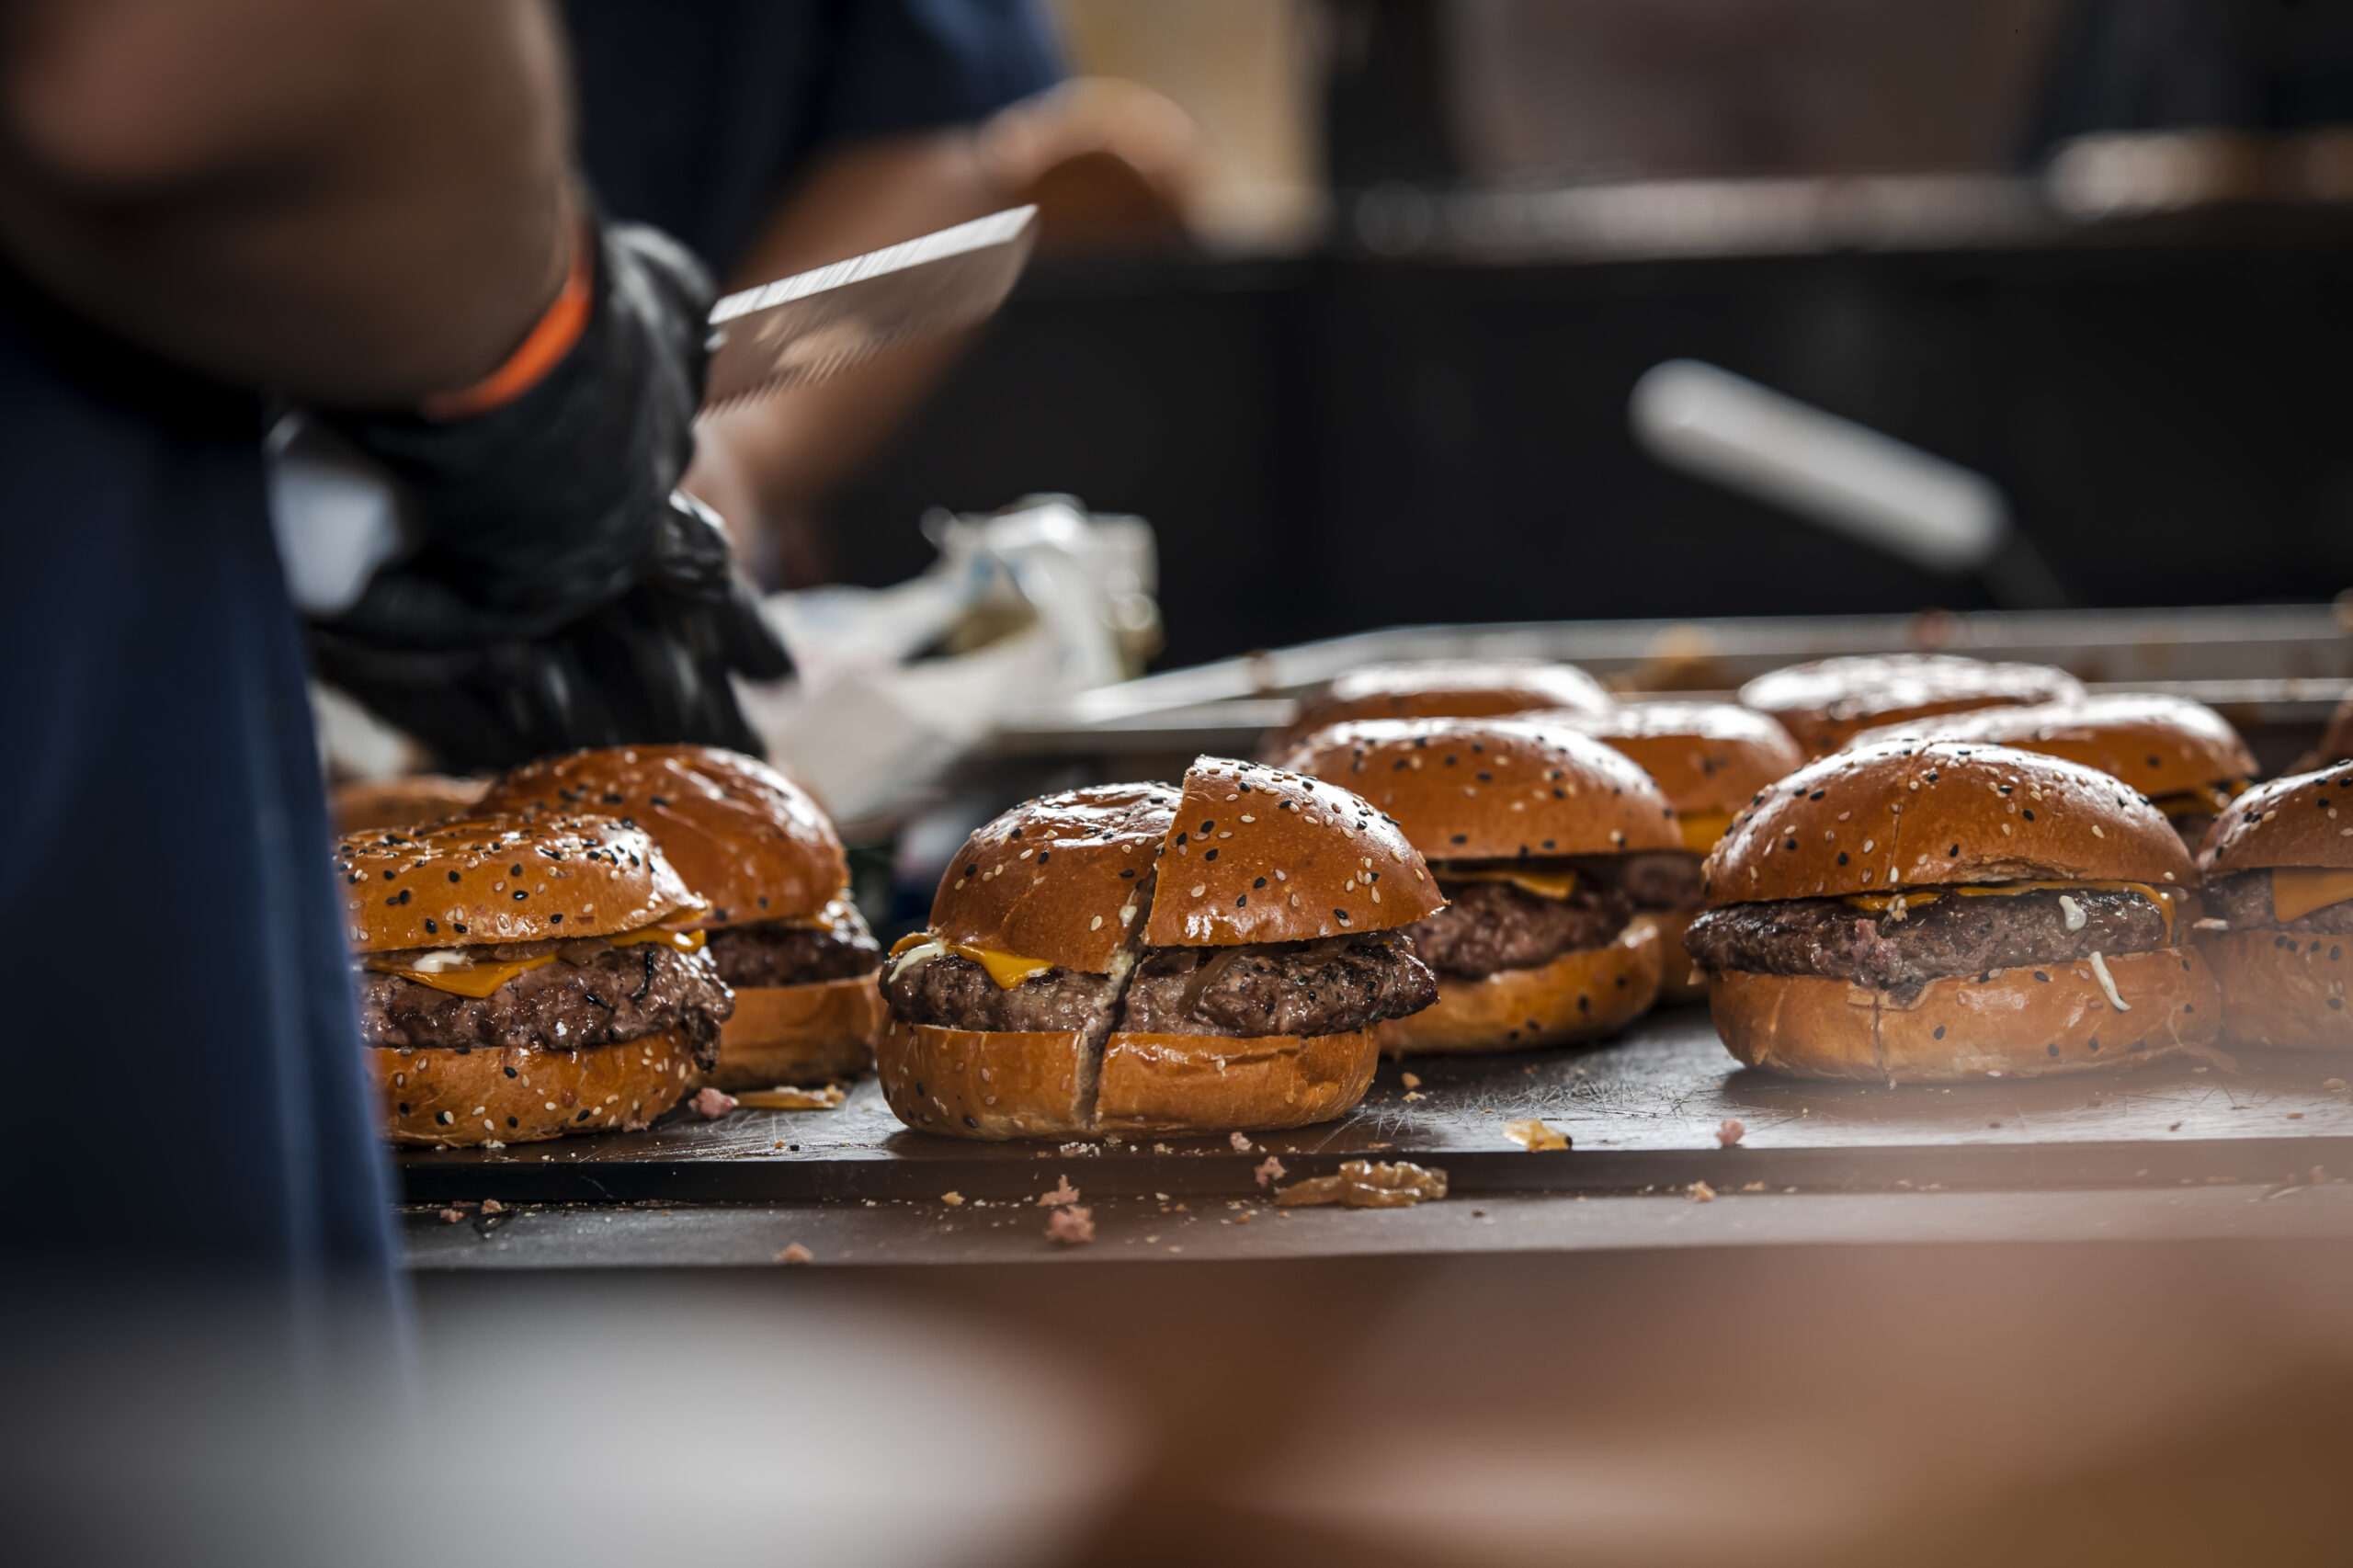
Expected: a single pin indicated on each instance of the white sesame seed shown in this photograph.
(1095, 924)
(1199, 888)
(2097, 833)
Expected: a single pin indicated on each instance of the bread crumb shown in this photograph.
(1729, 1132)
(953, 1199)
(1411, 1080)
(1071, 1224)
(1063, 1193)
(1361, 1184)
(2332, 1083)
(712, 1104)
(1534, 1135)
(451, 1216)
(827, 1096)
(796, 1253)
(1241, 1145)
(1270, 1171)
(1412, 1094)
(1700, 1192)
(1753, 1187)
(492, 1206)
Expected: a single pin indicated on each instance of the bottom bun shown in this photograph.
(2021, 1023)
(450, 1099)
(799, 1034)
(997, 1085)
(1580, 995)
(1679, 980)
(2282, 988)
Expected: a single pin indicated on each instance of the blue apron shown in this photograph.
(181, 1039)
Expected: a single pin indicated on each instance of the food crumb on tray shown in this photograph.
(1535, 1136)
(1071, 1224)
(1361, 1184)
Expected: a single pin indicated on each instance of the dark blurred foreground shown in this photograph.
(2026, 1404)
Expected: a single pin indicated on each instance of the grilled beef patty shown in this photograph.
(776, 954)
(1303, 988)
(1488, 927)
(1953, 936)
(954, 993)
(1657, 879)
(2244, 898)
(1330, 986)
(592, 995)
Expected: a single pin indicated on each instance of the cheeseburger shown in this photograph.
(1945, 911)
(759, 852)
(2280, 902)
(1137, 957)
(1539, 839)
(1826, 704)
(524, 979)
(2182, 755)
(1708, 758)
(1450, 688)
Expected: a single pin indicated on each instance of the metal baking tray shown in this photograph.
(2277, 671)
(1643, 1113)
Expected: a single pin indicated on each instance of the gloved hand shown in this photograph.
(564, 593)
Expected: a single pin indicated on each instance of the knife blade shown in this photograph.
(812, 324)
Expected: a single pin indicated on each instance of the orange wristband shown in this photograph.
(558, 328)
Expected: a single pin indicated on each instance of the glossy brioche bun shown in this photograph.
(1706, 756)
(365, 805)
(1485, 788)
(799, 1034)
(1583, 995)
(1262, 855)
(1444, 689)
(471, 881)
(1900, 816)
(2160, 745)
(1066, 877)
(1827, 703)
(749, 841)
(2304, 819)
(2283, 988)
(994, 1086)
(2013, 1024)
(551, 1094)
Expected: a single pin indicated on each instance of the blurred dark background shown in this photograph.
(2101, 252)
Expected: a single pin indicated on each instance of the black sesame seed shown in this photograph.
(1206, 855)
(1817, 794)
(513, 870)
(453, 876)
(2042, 977)
(520, 892)
(1339, 914)
(403, 1108)
(1940, 1031)
(1260, 884)
(1842, 856)
(2027, 813)
(1240, 900)
(970, 1122)
(1461, 839)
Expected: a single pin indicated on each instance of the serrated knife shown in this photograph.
(806, 327)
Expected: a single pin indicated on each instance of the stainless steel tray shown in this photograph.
(2277, 671)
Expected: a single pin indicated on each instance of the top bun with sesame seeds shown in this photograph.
(1431, 689)
(1494, 788)
(487, 880)
(749, 841)
(1061, 878)
(1706, 756)
(1900, 816)
(2304, 819)
(1259, 854)
(1826, 704)
(2159, 745)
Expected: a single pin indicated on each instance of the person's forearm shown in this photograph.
(353, 201)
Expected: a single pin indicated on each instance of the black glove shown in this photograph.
(565, 593)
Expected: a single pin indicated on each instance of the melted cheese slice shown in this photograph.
(1008, 970)
(479, 979)
(2163, 898)
(2206, 800)
(1543, 884)
(2297, 890)
(1702, 829)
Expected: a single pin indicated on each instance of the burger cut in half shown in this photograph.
(764, 856)
(1540, 837)
(2280, 906)
(2182, 755)
(1708, 758)
(524, 979)
(1915, 912)
(1137, 957)
(1444, 689)
(1826, 704)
